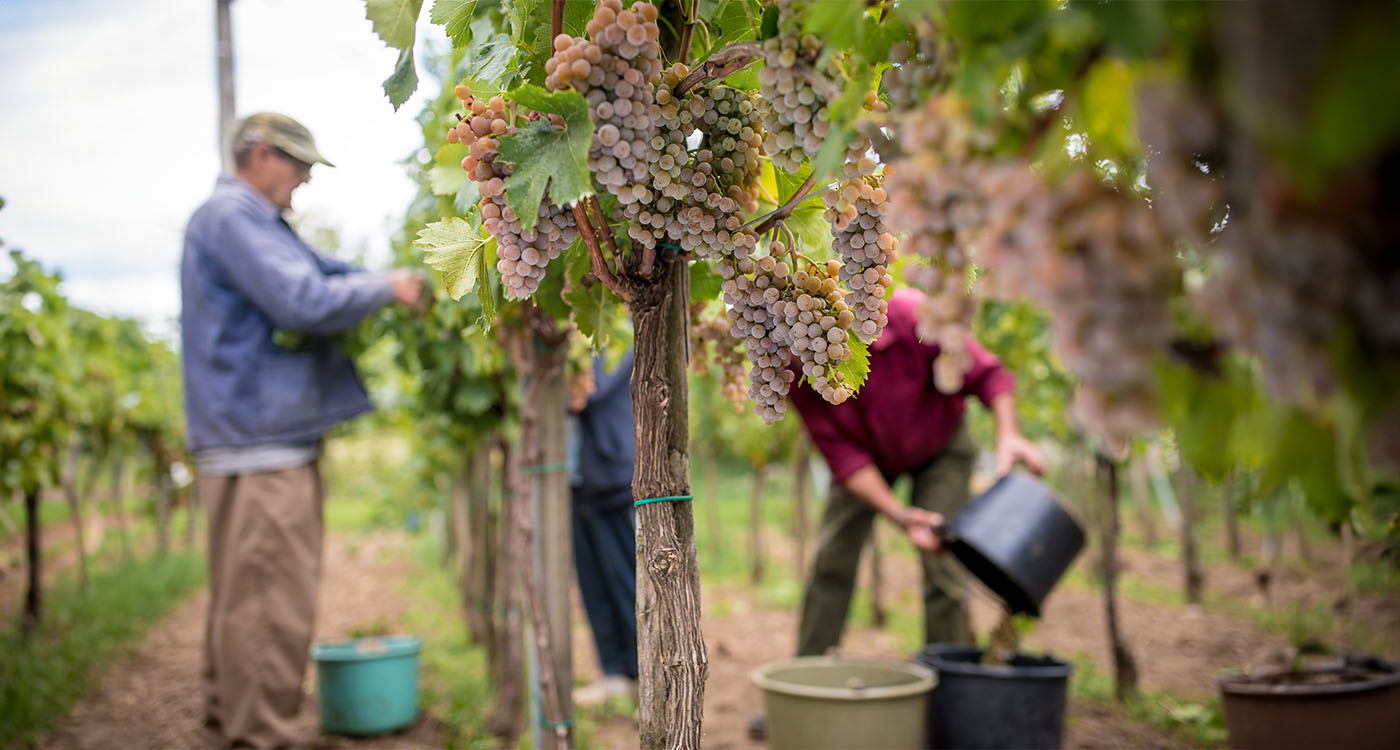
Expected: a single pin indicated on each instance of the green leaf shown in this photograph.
(1107, 113)
(467, 199)
(446, 175)
(459, 251)
(590, 308)
(857, 368)
(400, 85)
(705, 283)
(768, 27)
(455, 16)
(990, 22)
(545, 155)
(808, 222)
(473, 397)
(745, 78)
(1355, 110)
(1133, 29)
(394, 20)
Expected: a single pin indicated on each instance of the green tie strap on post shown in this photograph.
(673, 498)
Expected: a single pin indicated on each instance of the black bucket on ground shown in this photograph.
(1017, 539)
(1017, 705)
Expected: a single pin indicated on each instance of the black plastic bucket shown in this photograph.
(1017, 539)
(1017, 705)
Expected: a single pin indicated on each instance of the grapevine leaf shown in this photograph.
(545, 155)
(857, 368)
(842, 26)
(446, 175)
(768, 27)
(473, 397)
(488, 59)
(393, 20)
(1107, 114)
(589, 304)
(1134, 29)
(844, 110)
(455, 16)
(1349, 120)
(404, 80)
(745, 78)
(466, 199)
(733, 21)
(808, 222)
(550, 295)
(459, 251)
(705, 283)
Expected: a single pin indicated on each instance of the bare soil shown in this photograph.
(152, 699)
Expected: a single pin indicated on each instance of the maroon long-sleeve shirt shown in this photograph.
(899, 421)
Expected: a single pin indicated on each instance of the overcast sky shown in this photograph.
(109, 120)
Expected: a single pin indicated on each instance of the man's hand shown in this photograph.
(922, 527)
(1013, 447)
(407, 286)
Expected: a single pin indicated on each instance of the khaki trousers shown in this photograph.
(265, 532)
(941, 486)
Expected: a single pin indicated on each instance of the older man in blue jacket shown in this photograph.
(256, 414)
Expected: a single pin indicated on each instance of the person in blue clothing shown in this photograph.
(256, 414)
(602, 451)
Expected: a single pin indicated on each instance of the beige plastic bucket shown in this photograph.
(832, 702)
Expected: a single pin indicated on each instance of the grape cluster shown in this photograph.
(1108, 274)
(941, 194)
(711, 346)
(733, 127)
(815, 322)
(919, 67)
(749, 289)
(522, 254)
(711, 217)
(856, 211)
(616, 69)
(795, 91)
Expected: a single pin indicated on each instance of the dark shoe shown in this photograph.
(758, 728)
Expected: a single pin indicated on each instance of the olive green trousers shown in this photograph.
(941, 486)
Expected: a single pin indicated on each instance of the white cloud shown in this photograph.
(110, 129)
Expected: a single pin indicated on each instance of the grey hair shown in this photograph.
(243, 148)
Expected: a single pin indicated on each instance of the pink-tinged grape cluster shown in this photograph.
(920, 66)
(778, 315)
(856, 210)
(940, 194)
(713, 348)
(795, 90)
(522, 254)
(1107, 273)
(616, 69)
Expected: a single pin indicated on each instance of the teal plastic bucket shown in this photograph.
(367, 685)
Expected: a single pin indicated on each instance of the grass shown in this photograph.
(83, 632)
(1200, 723)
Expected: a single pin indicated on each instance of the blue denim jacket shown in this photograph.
(244, 275)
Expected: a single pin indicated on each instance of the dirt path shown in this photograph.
(152, 699)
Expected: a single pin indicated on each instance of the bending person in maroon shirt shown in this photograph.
(901, 424)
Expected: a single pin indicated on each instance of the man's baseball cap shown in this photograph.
(280, 131)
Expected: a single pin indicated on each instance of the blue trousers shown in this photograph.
(605, 556)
